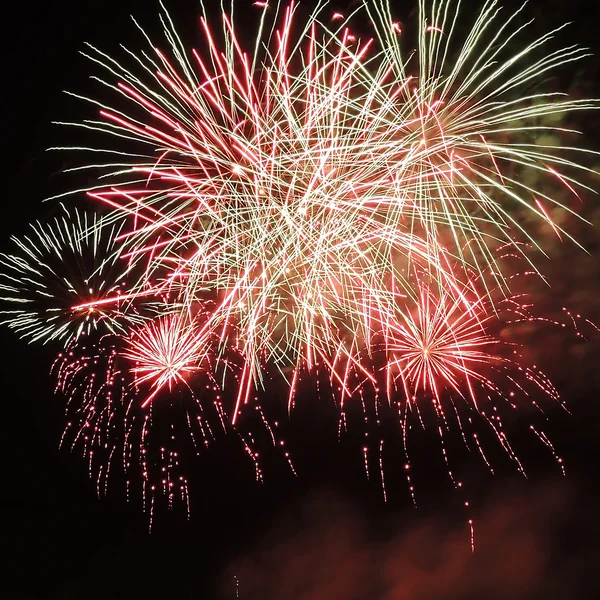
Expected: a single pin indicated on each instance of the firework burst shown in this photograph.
(296, 182)
(318, 201)
(56, 267)
(165, 352)
(441, 353)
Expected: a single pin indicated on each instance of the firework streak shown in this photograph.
(319, 203)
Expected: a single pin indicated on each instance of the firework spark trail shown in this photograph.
(322, 202)
(109, 384)
(106, 424)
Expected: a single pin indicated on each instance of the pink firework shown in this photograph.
(166, 351)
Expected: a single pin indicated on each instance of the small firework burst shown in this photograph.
(166, 351)
(58, 266)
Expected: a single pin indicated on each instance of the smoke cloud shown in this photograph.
(331, 552)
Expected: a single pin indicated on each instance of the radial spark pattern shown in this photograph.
(55, 268)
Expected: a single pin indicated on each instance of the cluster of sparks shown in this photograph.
(318, 201)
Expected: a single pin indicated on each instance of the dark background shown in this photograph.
(327, 533)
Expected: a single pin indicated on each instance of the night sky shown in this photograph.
(326, 534)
